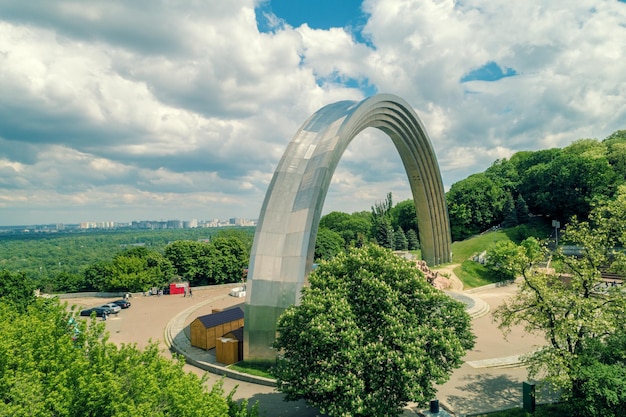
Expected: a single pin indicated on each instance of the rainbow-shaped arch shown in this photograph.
(284, 242)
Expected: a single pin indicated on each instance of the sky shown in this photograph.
(155, 110)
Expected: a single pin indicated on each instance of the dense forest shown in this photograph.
(126, 260)
(555, 184)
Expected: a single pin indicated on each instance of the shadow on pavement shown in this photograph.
(273, 405)
(486, 392)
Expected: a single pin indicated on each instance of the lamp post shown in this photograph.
(556, 224)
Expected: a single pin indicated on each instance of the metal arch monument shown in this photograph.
(284, 242)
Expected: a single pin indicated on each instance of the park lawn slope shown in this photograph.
(474, 274)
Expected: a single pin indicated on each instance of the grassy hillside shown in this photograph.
(474, 274)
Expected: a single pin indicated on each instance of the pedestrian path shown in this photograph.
(474, 306)
(452, 401)
(503, 362)
(176, 339)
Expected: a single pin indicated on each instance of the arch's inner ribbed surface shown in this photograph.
(284, 243)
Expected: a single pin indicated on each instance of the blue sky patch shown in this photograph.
(319, 14)
(362, 84)
(488, 72)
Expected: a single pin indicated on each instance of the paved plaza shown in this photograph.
(490, 379)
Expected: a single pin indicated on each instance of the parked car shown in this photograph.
(114, 307)
(122, 303)
(98, 310)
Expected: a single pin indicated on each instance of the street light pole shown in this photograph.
(556, 224)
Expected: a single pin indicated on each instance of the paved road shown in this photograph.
(471, 388)
(147, 319)
(486, 382)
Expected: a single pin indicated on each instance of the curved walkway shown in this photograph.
(177, 340)
(490, 378)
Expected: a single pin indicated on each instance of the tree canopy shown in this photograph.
(53, 364)
(369, 335)
(474, 205)
(354, 228)
(552, 183)
(391, 226)
(16, 290)
(328, 244)
(76, 261)
(580, 315)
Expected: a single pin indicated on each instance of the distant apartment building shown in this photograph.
(98, 225)
(211, 223)
(174, 224)
(238, 221)
(190, 224)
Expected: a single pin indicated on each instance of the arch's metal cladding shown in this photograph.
(284, 243)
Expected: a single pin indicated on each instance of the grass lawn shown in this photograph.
(473, 274)
(468, 248)
(257, 368)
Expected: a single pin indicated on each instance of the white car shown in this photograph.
(238, 292)
(114, 307)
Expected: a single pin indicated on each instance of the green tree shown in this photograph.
(573, 309)
(64, 367)
(382, 229)
(16, 289)
(184, 256)
(219, 261)
(616, 153)
(244, 237)
(69, 282)
(413, 241)
(41, 256)
(521, 210)
(354, 228)
(336, 221)
(569, 183)
(231, 259)
(504, 173)
(509, 213)
(138, 269)
(383, 232)
(474, 205)
(602, 379)
(208, 265)
(327, 244)
(383, 208)
(588, 148)
(369, 335)
(97, 276)
(509, 260)
(404, 215)
(400, 241)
